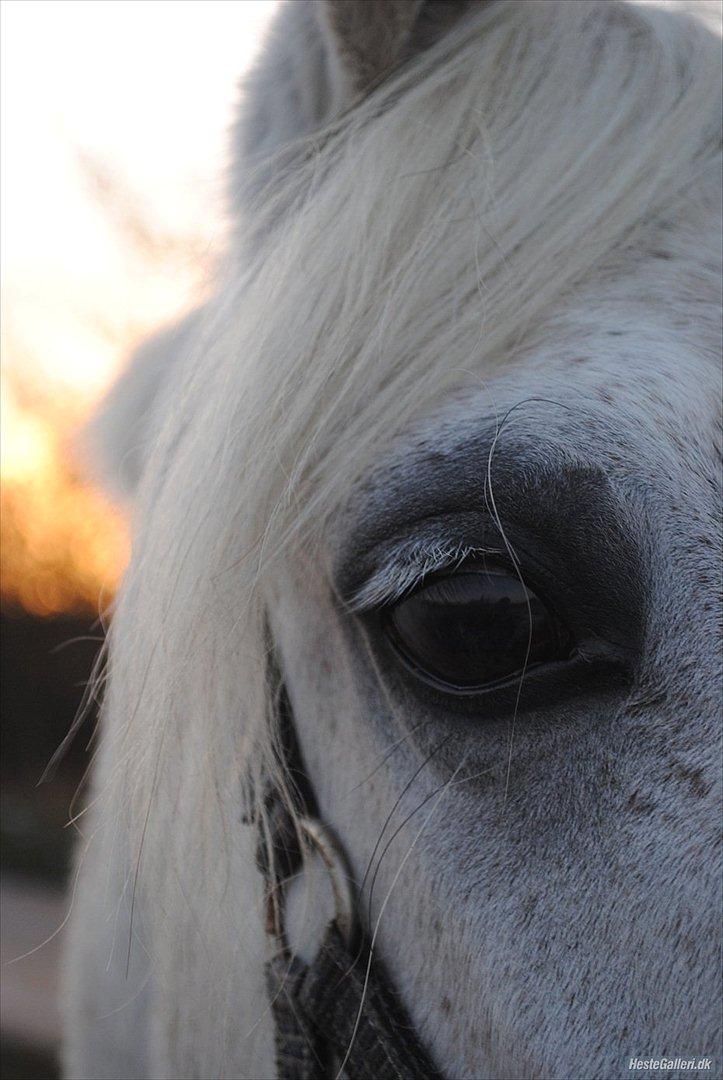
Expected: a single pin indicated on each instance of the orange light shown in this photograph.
(63, 546)
(108, 231)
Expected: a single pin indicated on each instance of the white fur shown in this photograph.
(464, 238)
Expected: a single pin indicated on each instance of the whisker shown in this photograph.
(516, 564)
(408, 818)
(381, 913)
(398, 800)
(394, 747)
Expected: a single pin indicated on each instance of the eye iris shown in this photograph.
(474, 628)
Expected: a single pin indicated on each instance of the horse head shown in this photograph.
(437, 464)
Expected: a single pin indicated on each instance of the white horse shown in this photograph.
(441, 450)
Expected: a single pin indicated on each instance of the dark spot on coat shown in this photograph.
(640, 804)
(694, 777)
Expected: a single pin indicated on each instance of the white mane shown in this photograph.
(418, 241)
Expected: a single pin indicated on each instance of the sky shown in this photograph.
(114, 124)
(142, 92)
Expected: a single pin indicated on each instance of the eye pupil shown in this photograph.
(475, 628)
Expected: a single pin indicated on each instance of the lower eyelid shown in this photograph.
(543, 685)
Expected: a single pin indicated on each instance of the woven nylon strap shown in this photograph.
(326, 1015)
(326, 1012)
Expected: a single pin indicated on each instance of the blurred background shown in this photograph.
(114, 144)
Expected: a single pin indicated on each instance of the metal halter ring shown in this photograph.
(334, 858)
(321, 840)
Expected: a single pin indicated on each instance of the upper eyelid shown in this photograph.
(407, 566)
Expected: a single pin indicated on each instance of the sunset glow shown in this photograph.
(114, 144)
(63, 545)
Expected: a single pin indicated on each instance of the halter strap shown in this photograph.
(339, 1014)
(330, 1018)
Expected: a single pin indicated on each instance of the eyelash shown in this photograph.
(411, 570)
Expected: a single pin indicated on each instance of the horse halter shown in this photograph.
(337, 1016)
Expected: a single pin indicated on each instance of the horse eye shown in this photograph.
(475, 628)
